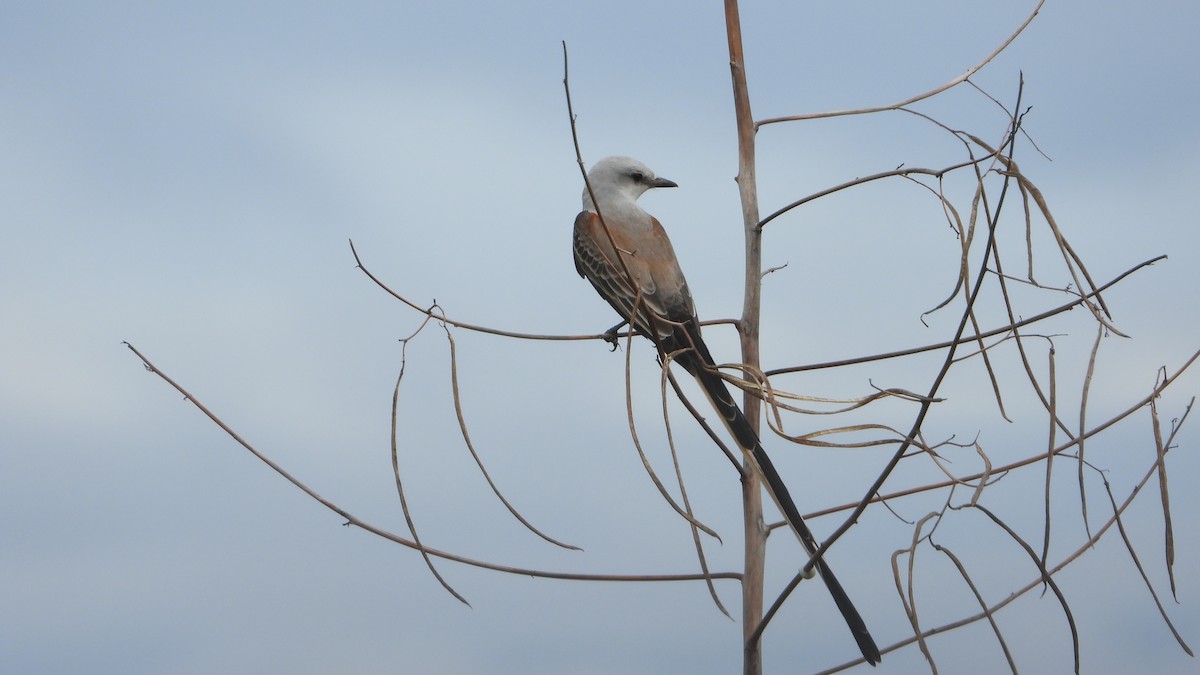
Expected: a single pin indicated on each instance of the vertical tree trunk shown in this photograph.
(754, 528)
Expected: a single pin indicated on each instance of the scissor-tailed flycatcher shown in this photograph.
(632, 265)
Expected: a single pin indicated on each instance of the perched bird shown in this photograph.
(632, 265)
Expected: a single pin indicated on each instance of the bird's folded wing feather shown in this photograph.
(650, 260)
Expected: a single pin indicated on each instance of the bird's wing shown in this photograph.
(650, 261)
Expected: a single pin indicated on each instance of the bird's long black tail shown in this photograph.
(693, 355)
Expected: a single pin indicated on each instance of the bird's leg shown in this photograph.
(610, 335)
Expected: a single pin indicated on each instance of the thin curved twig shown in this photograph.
(404, 508)
(962, 570)
(905, 172)
(462, 426)
(1138, 563)
(919, 97)
(462, 324)
(683, 495)
(1047, 577)
(1164, 496)
(909, 599)
(637, 443)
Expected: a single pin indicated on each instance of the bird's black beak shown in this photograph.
(663, 182)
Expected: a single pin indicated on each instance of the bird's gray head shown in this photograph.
(620, 180)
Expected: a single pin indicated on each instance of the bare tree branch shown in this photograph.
(913, 99)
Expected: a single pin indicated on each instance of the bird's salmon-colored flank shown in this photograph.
(626, 255)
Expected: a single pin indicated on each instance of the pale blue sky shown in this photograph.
(186, 177)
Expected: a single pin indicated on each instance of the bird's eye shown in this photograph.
(637, 176)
